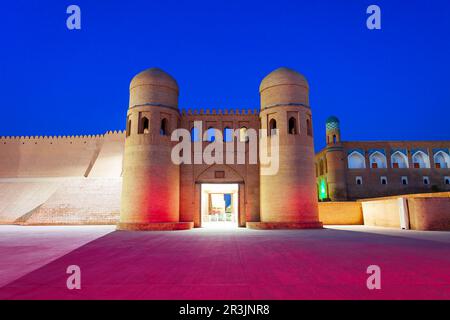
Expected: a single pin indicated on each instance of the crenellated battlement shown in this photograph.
(59, 138)
(216, 111)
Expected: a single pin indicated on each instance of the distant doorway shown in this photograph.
(219, 205)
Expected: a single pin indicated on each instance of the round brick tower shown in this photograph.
(289, 197)
(336, 182)
(151, 182)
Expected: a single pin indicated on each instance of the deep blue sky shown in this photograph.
(388, 84)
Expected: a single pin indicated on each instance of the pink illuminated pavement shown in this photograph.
(223, 264)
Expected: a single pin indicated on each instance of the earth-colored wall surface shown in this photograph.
(381, 213)
(340, 213)
(429, 213)
(61, 180)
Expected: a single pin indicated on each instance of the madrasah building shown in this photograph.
(127, 178)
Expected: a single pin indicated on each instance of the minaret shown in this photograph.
(288, 198)
(151, 182)
(336, 181)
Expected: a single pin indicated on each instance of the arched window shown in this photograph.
(227, 134)
(321, 167)
(378, 160)
(144, 125)
(334, 139)
(272, 126)
(210, 134)
(442, 160)
(128, 127)
(164, 127)
(399, 160)
(356, 161)
(421, 160)
(308, 127)
(243, 137)
(292, 126)
(195, 134)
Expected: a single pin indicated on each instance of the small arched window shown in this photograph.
(292, 126)
(128, 127)
(164, 127)
(243, 136)
(334, 139)
(272, 127)
(227, 134)
(308, 127)
(144, 125)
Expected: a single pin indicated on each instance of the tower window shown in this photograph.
(404, 180)
(128, 127)
(144, 125)
(447, 180)
(384, 180)
(359, 181)
(334, 139)
(426, 180)
(164, 127)
(308, 127)
(292, 125)
(272, 127)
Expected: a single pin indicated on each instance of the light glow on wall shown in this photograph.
(323, 194)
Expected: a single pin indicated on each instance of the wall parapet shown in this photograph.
(217, 111)
(68, 138)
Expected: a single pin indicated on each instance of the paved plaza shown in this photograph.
(223, 263)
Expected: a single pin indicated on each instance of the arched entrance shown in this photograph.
(220, 197)
(219, 205)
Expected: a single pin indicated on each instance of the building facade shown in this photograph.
(349, 170)
(159, 194)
